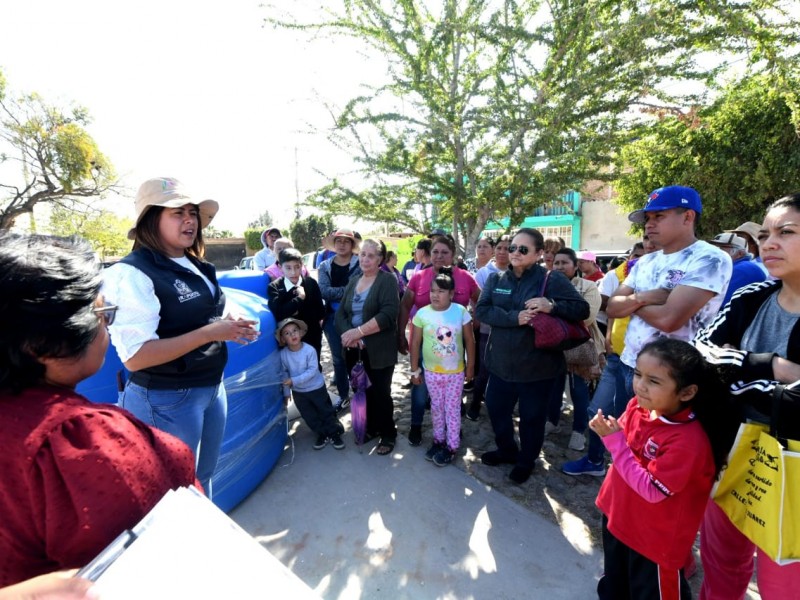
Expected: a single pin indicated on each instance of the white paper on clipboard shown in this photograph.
(186, 547)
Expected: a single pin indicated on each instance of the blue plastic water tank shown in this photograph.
(256, 430)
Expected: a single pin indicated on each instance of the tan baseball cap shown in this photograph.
(748, 228)
(170, 193)
(729, 239)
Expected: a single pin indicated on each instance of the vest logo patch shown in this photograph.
(502, 291)
(184, 291)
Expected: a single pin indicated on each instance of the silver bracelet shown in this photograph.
(361, 331)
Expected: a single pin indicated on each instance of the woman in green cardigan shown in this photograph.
(367, 322)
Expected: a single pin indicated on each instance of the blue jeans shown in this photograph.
(579, 392)
(419, 398)
(610, 396)
(194, 415)
(340, 377)
(501, 397)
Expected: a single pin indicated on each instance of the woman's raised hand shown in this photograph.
(234, 329)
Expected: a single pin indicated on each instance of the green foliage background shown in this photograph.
(741, 153)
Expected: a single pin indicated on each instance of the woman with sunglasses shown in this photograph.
(73, 474)
(170, 333)
(418, 295)
(518, 371)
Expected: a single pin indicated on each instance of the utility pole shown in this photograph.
(296, 186)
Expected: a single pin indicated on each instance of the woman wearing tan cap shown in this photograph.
(333, 276)
(749, 231)
(170, 332)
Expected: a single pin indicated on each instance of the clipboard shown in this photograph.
(187, 547)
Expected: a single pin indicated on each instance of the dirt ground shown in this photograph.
(562, 499)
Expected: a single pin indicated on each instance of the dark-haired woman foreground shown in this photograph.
(73, 474)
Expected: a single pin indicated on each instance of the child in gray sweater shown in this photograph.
(303, 381)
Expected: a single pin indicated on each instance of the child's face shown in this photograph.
(292, 270)
(440, 299)
(292, 336)
(655, 388)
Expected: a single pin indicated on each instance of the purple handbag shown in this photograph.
(555, 333)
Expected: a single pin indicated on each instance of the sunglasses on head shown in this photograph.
(522, 249)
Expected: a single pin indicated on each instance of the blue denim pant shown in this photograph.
(533, 396)
(194, 415)
(419, 398)
(611, 396)
(340, 377)
(579, 392)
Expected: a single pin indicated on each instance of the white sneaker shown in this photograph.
(550, 428)
(577, 441)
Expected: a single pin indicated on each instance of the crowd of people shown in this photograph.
(687, 338)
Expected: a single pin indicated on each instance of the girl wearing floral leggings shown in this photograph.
(442, 330)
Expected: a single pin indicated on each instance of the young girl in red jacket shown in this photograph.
(667, 449)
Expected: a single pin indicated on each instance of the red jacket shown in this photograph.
(676, 454)
(73, 475)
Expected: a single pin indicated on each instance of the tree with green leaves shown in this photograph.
(212, 233)
(307, 233)
(46, 156)
(104, 230)
(740, 152)
(263, 221)
(491, 108)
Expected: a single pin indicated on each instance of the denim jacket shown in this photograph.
(333, 295)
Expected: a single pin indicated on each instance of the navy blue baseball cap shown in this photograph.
(665, 198)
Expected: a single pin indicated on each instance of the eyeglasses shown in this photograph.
(522, 249)
(108, 312)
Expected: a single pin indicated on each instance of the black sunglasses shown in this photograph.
(108, 312)
(522, 249)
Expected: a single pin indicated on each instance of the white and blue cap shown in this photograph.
(665, 198)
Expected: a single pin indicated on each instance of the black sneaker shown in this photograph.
(322, 439)
(520, 474)
(415, 435)
(474, 411)
(433, 451)
(337, 441)
(444, 457)
(494, 458)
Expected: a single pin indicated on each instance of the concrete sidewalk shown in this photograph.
(354, 525)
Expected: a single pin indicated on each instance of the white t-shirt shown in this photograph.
(700, 265)
(607, 285)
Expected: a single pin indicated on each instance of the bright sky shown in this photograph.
(197, 90)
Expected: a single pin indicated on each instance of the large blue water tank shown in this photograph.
(256, 430)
